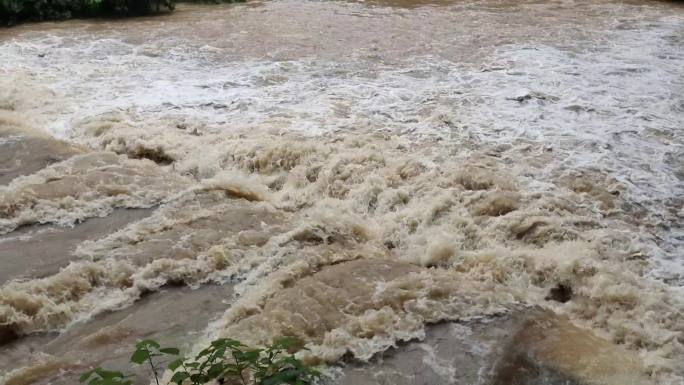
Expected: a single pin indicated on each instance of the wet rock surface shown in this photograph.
(24, 152)
(174, 317)
(88, 292)
(527, 347)
(85, 186)
(332, 285)
(38, 251)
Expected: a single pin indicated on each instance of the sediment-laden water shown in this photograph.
(344, 172)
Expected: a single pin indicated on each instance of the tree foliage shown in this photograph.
(13, 11)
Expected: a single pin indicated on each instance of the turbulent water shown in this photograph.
(471, 157)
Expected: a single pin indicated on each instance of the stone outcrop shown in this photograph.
(529, 347)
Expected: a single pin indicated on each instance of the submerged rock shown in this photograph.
(40, 251)
(529, 347)
(108, 339)
(24, 151)
(549, 349)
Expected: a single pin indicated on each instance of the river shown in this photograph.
(491, 152)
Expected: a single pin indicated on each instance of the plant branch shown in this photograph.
(154, 370)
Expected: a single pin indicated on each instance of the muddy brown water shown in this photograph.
(411, 177)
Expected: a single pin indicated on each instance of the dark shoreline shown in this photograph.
(16, 12)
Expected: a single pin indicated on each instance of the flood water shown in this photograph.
(473, 156)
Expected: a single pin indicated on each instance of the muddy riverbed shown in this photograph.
(442, 192)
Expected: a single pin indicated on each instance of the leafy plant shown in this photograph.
(225, 360)
(145, 350)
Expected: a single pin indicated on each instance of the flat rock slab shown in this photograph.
(23, 152)
(451, 353)
(532, 347)
(174, 317)
(85, 186)
(39, 251)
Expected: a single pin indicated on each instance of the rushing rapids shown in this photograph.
(351, 174)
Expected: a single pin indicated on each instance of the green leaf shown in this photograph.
(226, 342)
(288, 376)
(140, 356)
(144, 344)
(84, 377)
(204, 352)
(218, 353)
(231, 370)
(172, 351)
(108, 374)
(179, 377)
(175, 364)
(289, 361)
(215, 370)
(199, 378)
(250, 356)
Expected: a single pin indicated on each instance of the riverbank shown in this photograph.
(13, 12)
